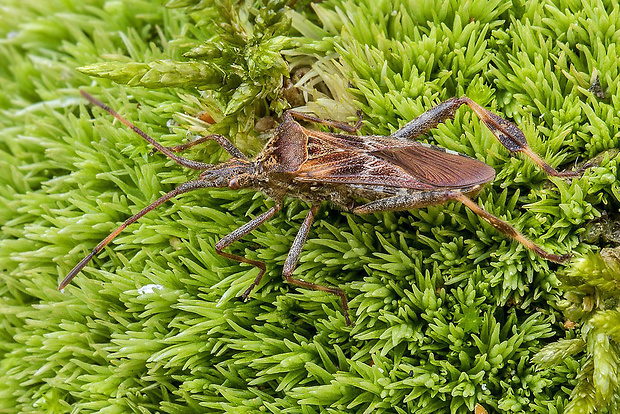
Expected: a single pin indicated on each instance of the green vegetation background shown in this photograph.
(448, 313)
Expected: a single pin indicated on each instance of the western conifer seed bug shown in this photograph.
(360, 174)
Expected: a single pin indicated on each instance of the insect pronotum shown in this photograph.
(360, 174)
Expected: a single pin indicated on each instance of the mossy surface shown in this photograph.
(448, 312)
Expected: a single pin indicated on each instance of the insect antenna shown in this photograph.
(183, 188)
(195, 165)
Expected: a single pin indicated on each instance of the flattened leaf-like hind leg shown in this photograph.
(293, 257)
(239, 233)
(426, 199)
(505, 131)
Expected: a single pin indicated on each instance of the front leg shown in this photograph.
(290, 114)
(195, 165)
(239, 233)
(432, 198)
(293, 257)
(505, 131)
(220, 139)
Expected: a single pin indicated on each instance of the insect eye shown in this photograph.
(234, 183)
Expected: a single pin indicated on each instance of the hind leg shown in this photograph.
(431, 198)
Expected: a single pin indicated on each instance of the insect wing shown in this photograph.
(348, 167)
(438, 167)
(389, 162)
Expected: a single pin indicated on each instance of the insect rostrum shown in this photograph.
(360, 174)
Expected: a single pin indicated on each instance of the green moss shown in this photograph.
(592, 291)
(448, 313)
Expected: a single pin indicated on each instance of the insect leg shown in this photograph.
(428, 120)
(407, 201)
(239, 233)
(513, 138)
(293, 257)
(327, 122)
(195, 165)
(220, 139)
(425, 199)
(508, 134)
(510, 231)
(182, 188)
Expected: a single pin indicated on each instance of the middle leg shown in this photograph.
(293, 257)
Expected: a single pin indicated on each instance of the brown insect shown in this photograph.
(360, 174)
